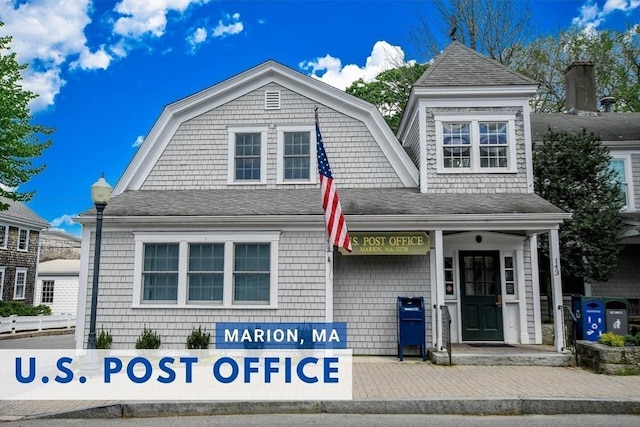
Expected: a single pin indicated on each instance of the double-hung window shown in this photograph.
(206, 270)
(620, 166)
(296, 155)
(20, 286)
(47, 291)
(4, 236)
(478, 144)
(23, 239)
(247, 155)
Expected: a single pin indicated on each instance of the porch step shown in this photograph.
(503, 357)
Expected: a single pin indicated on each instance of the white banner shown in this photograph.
(211, 375)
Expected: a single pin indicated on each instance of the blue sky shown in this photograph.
(104, 69)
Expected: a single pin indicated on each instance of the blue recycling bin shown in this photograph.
(590, 316)
(411, 324)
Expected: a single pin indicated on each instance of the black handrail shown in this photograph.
(446, 331)
(570, 330)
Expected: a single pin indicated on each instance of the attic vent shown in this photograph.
(272, 100)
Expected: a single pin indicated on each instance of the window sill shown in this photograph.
(206, 306)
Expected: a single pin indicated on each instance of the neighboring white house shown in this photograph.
(218, 216)
(57, 285)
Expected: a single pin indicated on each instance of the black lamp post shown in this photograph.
(100, 195)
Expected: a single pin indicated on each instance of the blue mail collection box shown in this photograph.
(411, 324)
(590, 316)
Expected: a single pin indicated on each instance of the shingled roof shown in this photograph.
(459, 65)
(19, 213)
(610, 127)
(355, 201)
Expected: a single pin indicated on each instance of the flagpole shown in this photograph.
(329, 262)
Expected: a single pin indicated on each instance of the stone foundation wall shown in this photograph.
(608, 360)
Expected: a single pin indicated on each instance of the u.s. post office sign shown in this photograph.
(388, 243)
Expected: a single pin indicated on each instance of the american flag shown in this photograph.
(333, 216)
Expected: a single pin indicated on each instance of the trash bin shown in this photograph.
(411, 324)
(616, 318)
(589, 312)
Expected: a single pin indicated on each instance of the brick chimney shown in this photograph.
(580, 84)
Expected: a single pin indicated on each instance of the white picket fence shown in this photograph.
(13, 324)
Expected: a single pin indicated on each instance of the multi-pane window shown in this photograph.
(23, 239)
(297, 156)
(618, 166)
(449, 285)
(251, 272)
(4, 236)
(248, 156)
(483, 144)
(206, 272)
(214, 270)
(20, 287)
(47, 291)
(493, 144)
(509, 276)
(160, 272)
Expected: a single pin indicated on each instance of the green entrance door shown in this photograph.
(481, 298)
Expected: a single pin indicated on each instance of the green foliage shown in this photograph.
(632, 340)
(19, 143)
(198, 339)
(572, 172)
(611, 339)
(389, 91)
(9, 308)
(148, 340)
(104, 340)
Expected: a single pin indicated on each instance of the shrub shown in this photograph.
(9, 308)
(198, 339)
(104, 340)
(611, 339)
(148, 340)
(632, 340)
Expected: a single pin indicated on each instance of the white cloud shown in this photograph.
(138, 142)
(199, 36)
(330, 69)
(46, 84)
(63, 220)
(591, 15)
(231, 25)
(148, 17)
(92, 60)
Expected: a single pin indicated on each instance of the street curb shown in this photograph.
(471, 406)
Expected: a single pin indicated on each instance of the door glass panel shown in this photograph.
(479, 275)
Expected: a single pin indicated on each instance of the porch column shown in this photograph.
(437, 288)
(556, 285)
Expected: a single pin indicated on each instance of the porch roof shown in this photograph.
(290, 202)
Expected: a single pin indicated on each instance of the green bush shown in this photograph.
(611, 339)
(9, 308)
(632, 340)
(104, 340)
(148, 340)
(198, 339)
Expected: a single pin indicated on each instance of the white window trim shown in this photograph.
(313, 158)
(26, 248)
(184, 239)
(231, 165)
(5, 241)
(473, 120)
(2, 271)
(16, 283)
(626, 158)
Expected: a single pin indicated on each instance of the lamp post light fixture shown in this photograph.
(100, 195)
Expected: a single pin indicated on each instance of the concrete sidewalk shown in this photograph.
(386, 385)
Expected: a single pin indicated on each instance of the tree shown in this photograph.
(492, 27)
(389, 91)
(19, 142)
(572, 172)
(616, 56)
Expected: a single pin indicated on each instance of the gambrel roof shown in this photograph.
(268, 72)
